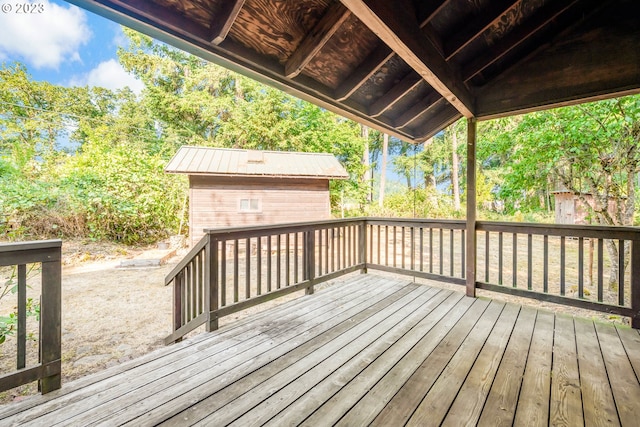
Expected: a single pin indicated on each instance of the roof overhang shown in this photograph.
(409, 68)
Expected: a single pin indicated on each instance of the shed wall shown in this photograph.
(215, 202)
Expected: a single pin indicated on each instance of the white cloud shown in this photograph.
(109, 74)
(46, 39)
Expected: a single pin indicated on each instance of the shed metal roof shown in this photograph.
(233, 162)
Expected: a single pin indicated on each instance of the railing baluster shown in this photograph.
(402, 242)
(463, 253)
(441, 250)
(287, 260)
(430, 250)
(580, 267)
(235, 271)
(500, 248)
(421, 248)
(278, 260)
(545, 279)
(620, 272)
(486, 256)
(223, 273)
(386, 245)
(247, 285)
(529, 261)
(600, 268)
(269, 264)
(259, 265)
(326, 250)
(562, 265)
(635, 283)
(451, 253)
(514, 278)
(22, 317)
(413, 248)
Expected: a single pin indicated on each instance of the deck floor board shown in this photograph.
(372, 350)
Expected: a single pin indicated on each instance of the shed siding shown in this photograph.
(215, 201)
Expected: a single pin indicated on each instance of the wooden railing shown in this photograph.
(590, 267)
(47, 370)
(233, 269)
(431, 249)
(236, 268)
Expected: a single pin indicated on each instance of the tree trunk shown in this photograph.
(383, 169)
(454, 171)
(367, 166)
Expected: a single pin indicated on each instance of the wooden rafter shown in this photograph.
(155, 14)
(398, 29)
(472, 30)
(386, 101)
(316, 39)
(383, 54)
(429, 102)
(225, 19)
(534, 24)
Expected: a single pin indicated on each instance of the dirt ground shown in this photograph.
(109, 314)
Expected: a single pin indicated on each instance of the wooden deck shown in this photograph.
(374, 350)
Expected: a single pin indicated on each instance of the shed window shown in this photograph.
(249, 205)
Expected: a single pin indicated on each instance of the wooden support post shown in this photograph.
(310, 259)
(362, 246)
(50, 323)
(635, 283)
(471, 207)
(211, 280)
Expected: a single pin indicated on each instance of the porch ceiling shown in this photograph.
(408, 67)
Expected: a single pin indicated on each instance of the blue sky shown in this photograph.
(63, 45)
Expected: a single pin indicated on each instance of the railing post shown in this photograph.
(310, 259)
(635, 283)
(211, 283)
(178, 283)
(470, 275)
(50, 318)
(362, 246)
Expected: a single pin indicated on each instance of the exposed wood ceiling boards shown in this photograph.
(461, 38)
(398, 91)
(433, 100)
(398, 29)
(153, 12)
(534, 24)
(383, 53)
(596, 59)
(316, 39)
(408, 67)
(227, 16)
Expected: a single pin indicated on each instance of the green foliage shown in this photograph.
(9, 323)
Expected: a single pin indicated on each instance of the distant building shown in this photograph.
(233, 188)
(570, 208)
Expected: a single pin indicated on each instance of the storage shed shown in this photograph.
(570, 207)
(233, 188)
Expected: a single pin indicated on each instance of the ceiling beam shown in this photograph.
(478, 25)
(518, 36)
(401, 32)
(316, 39)
(429, 102)
(386, 101)
(382, 54)
(225, 19)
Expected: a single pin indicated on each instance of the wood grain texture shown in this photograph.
(566, 403)
(372, 349)
(500, 407)
(624, 383)
(597, 400)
